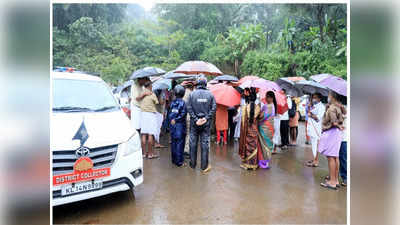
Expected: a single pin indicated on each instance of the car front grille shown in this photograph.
(63, 161)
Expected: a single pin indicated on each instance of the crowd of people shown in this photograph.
(189, 112)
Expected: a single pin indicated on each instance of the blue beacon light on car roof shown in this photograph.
(64, 69)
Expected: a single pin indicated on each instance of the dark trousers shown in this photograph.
(284, 132)
(177, 149)
(232, 125)
(204, 136)
(343, 161)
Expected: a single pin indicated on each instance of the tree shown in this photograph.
(65, 14)
(268, 40)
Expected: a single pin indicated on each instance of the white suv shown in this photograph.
(95, 151)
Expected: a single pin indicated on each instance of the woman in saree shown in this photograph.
(250, 149)
(266, 129)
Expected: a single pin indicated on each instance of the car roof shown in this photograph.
(75, 76)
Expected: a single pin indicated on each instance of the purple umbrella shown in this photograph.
(320, 77)
(262, 84)
(336, 84)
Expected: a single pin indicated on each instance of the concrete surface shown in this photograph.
(288, 193)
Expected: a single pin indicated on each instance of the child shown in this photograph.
(221, 123)
(177, 118)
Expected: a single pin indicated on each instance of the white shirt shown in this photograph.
(136, 90)
(285, 116)
(314, 128)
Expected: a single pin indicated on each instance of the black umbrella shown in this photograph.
(239, 89)
(117, 89)
(162, 84)
(311, 87)
(127, 84)
(289, 86)
(226, 78)
(146, 72)
(173, 75)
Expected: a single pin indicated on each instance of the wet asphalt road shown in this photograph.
(287, 193)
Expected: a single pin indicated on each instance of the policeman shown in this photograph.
(201, 107)
(177, 118)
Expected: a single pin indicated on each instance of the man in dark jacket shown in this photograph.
(201, 107)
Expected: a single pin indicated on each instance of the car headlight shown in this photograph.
(133, 144)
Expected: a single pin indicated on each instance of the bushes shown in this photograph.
(116, 48)
(272, 65)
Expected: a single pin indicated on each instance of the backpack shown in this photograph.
(292, 111)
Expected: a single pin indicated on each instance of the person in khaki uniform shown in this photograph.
(148, 120)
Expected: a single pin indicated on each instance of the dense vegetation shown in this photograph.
(268, 40)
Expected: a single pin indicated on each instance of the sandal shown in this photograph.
(206, 170)
(153, 156)
(183, 165)
(311, 164)
(327, 178)
(160, 146)
(326, 185)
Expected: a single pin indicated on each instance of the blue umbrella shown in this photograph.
(146, 72)
(226, 78)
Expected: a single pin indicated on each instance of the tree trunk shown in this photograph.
(236, 67)
(320, 15)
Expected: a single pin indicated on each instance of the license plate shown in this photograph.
(70, 189)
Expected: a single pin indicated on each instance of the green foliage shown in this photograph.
(238, 38)
(232, 49)
(66, 14)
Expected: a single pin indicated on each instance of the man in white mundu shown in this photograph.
(137, 95)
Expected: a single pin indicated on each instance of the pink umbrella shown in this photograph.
(261, 83)
(198, 67)
(246, 78)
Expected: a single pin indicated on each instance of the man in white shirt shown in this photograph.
(284, 128)
(137, 94)
(314, 127)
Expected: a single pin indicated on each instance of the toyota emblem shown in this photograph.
(82, 152)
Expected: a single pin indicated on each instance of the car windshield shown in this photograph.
(82, 95)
